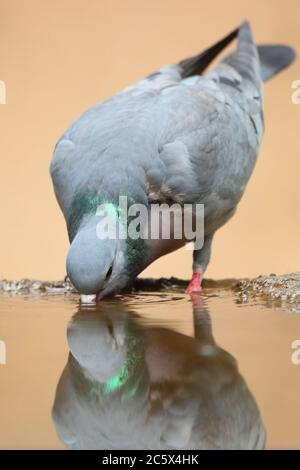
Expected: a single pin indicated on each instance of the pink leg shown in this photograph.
(195, 283)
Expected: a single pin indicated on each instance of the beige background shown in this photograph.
(58, 57)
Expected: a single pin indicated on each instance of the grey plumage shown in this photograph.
(175, 136)
(133, 386)
(274, 58)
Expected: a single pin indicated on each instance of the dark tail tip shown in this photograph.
(274, 58)
(197, 64)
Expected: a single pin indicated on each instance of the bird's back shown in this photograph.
(176, 135)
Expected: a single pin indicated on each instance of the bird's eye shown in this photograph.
(108, 274)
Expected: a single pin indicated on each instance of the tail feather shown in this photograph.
(253, 63)
(274, 58)
(245, 58)
(197, 64)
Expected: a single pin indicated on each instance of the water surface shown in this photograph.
(152, 369)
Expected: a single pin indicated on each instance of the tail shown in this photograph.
(197, 64)
(245, 59)
(274, 58)
(252, 62)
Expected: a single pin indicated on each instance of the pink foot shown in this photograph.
(195, 283)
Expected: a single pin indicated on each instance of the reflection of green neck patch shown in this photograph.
(133, 362)
(129, 371)
(114, 383)
(130, 377)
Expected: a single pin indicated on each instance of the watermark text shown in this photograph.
(2, 92)
(2, 352)
(296, 92)
(295, 357)
(164, 221)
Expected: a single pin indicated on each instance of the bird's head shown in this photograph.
(101, 265)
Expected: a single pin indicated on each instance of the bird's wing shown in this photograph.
(185, 135)
(214, 128)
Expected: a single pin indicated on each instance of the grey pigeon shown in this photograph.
(177, 136)
(128, 385)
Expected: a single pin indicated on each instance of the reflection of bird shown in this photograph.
(131, 386)
(175, 137)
